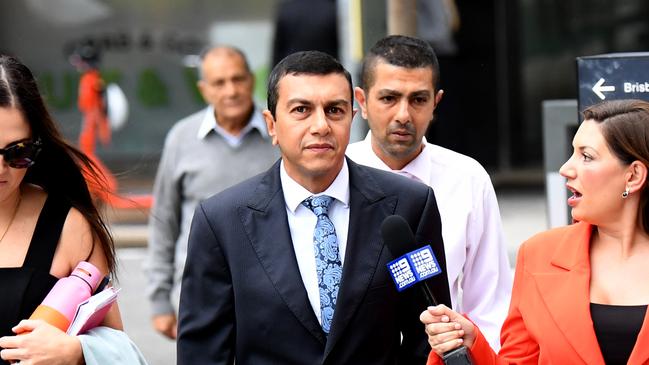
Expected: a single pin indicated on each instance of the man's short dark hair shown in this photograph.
(401, 51)
(303, 63)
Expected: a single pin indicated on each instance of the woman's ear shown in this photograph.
(636, 177)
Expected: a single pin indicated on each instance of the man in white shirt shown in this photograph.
(289, 267)
(398, 96)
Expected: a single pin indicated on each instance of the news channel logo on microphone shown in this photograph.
(413, 267)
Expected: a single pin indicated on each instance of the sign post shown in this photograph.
(559, 125)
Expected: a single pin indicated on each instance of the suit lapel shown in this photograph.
(566, 293)
(266, 224)
(368, 207)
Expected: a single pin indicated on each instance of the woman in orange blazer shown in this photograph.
(580, 292)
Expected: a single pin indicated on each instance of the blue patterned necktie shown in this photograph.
(327, 259)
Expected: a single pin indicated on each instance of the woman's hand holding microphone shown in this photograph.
(447, 329)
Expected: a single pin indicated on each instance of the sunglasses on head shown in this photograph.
(21, 154)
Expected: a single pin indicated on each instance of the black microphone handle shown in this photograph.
(428, 294)
(458, 356)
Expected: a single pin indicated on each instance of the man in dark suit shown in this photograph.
(262, 286)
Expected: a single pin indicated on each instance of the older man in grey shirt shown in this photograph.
(203, 154)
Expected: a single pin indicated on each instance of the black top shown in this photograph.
(617, 328)
(24, 288)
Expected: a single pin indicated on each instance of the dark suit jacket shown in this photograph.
(243, 297)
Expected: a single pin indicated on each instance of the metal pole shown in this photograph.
(402, 17)
(502, 86)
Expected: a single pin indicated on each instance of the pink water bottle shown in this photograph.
(59, 306)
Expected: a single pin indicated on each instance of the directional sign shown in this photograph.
(599, 88)
(612, 76)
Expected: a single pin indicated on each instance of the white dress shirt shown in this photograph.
(478, 269)
(302, 221)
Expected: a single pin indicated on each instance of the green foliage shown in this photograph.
(111, 76)
(66, 96)
(191, 78)
(261, 78)
(151, 90)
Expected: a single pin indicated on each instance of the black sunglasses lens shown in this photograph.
(21, 155)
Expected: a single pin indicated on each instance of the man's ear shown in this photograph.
(253, 80)
(200, 84)
(438, 97)
(270, 125)
(636, 177)
(359, 94)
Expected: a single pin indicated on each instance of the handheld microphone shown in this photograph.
(414, 268)
(406, 269)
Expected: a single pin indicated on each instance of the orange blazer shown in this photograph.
(549, 319)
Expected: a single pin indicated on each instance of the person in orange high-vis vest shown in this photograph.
(95, 122)
(96, 125)
(91, 102)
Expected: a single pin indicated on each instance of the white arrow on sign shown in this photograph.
(599, 89)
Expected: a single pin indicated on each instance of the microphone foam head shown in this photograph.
(397, 235)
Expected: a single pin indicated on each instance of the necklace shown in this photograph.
(20, 195)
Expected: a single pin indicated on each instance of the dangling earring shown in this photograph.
(625, 193)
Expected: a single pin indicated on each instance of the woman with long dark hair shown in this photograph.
(48, 221)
